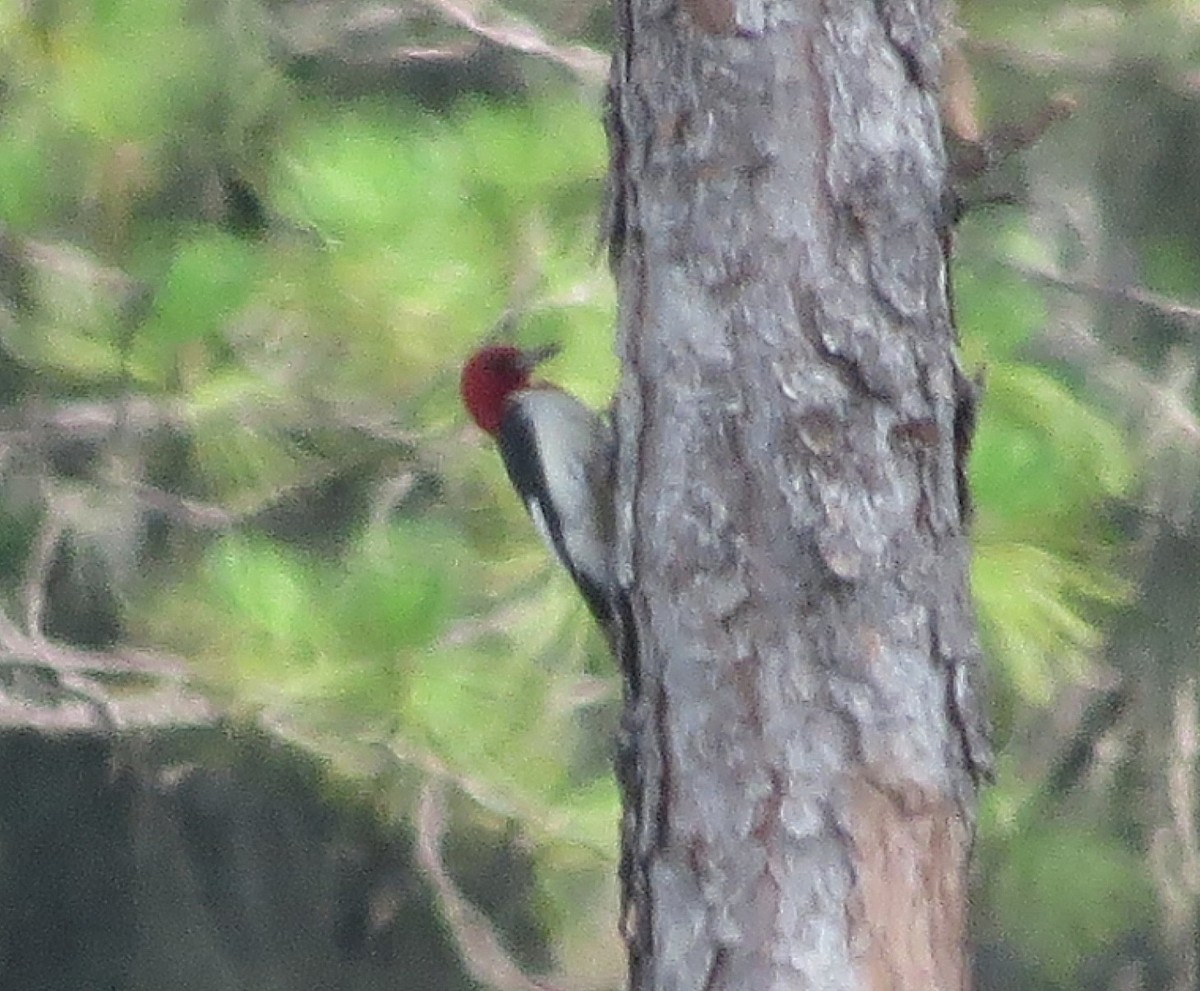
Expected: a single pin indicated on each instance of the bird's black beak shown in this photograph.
(532, 357)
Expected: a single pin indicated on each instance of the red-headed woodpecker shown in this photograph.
(559, 457)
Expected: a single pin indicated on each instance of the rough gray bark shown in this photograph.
(802, 743)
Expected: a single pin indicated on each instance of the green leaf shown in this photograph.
(211, 276)
(1032, 607)
(396, 593)
(998, 312)
(1040, 454)
(1066, 894)
(268, 589)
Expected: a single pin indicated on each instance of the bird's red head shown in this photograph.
(494, 373)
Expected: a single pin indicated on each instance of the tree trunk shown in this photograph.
(802, 745)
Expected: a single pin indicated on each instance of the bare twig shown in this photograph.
(971, 159)
(120, 662)
(1157, 402)
(436, 769)
(67, 717)
(380, 428)
(484, 794)
(1165, 403)
(87, 706)
(333, 27)
(1096, 63)
(1160, 409)
(74, 264)
(1175, 848)
(479, 945)
(1085, 62)
(37, 573)
(389, 494)
(12, 640)
(509, 31)
(189, 512)
(1182, 313)
(442, 53)
(34, 424)
(55, 687)
(17, 647)
(1162, 406)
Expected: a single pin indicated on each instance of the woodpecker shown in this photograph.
(559, 456)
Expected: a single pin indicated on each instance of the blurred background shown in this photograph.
(290, 695)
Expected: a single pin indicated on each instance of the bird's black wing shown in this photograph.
(519, 448)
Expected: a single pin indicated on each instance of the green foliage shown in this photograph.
(1061, 892)
(210, 278)
(1043, 462)
(1048, 470)
(288, 630)
(1044, 466)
